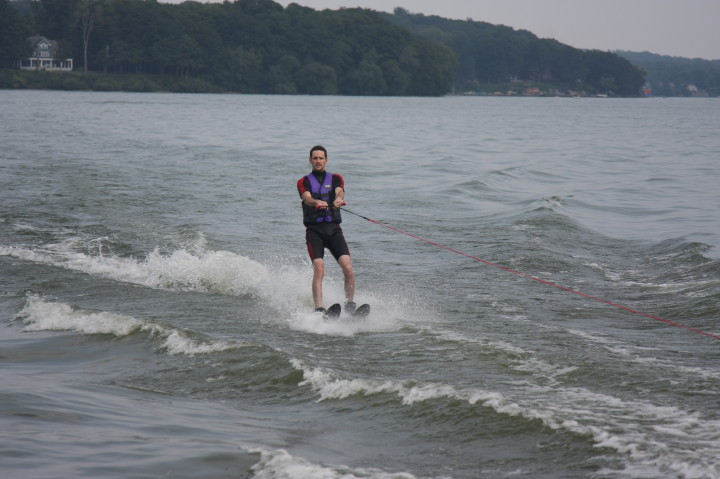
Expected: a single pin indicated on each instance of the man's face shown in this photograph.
(318, 160)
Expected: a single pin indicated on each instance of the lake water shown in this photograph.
(156, 307)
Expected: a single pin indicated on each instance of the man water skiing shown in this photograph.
(322, 193)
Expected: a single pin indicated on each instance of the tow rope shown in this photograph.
(534, 278)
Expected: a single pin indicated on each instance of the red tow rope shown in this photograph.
(519, 273)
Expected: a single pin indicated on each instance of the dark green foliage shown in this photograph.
(252, 46)
(102, 82)
(257, 46)
(15, 28)
(673, 76)
(495, 54)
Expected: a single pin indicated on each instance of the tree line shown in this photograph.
(489, 54)
(676, 76)
(257, 46)
(250, 46)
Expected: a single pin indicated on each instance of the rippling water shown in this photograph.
(155, 290)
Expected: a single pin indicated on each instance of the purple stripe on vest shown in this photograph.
(323, 191)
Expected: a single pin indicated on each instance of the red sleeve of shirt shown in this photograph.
(303, 185)
(338, 181)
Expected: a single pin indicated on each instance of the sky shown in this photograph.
(681, 28)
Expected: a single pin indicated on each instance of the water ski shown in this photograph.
(333, 312)
(361, 311)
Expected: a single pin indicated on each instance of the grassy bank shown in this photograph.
(94, 81)
(42, 80)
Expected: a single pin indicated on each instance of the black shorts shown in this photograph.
(325, 235)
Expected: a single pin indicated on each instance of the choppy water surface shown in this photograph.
(155, 290)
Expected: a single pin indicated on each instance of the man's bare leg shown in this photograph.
(347, 269)
(317, 282)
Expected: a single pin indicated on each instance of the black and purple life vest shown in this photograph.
(321, 191)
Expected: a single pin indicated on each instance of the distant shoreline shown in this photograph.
(13, 79)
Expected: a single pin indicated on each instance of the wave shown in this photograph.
(279, 464)
(654, 439)
(283, 288)
(190, 268)
(218, 272)
(666, 270)
(40, 314)
(630, 353)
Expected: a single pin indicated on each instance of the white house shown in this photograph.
(43, 57)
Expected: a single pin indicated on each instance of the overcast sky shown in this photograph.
(683, 28)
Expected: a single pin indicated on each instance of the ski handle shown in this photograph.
(325, 208)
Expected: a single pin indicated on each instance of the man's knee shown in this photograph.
(318, 267)
(346, 264)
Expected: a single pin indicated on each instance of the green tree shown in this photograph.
(317, 79)
(367, 79)
(396, 80)
(14, 31)
(190, 56)
(434, 73)
(165, 54)
(56, 20)
(247, 70)
(494, 53)
(609, 73)
(250, 46)
(87, 13)
(283, 74)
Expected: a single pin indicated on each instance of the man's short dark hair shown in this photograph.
(316, 148)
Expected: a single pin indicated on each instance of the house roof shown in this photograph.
(35, 39)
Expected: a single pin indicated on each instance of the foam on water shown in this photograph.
(655, 439)
(383, 318)
(279, 464)
(220, 272)
(43, 315)
(282, 287)
(192, 269)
